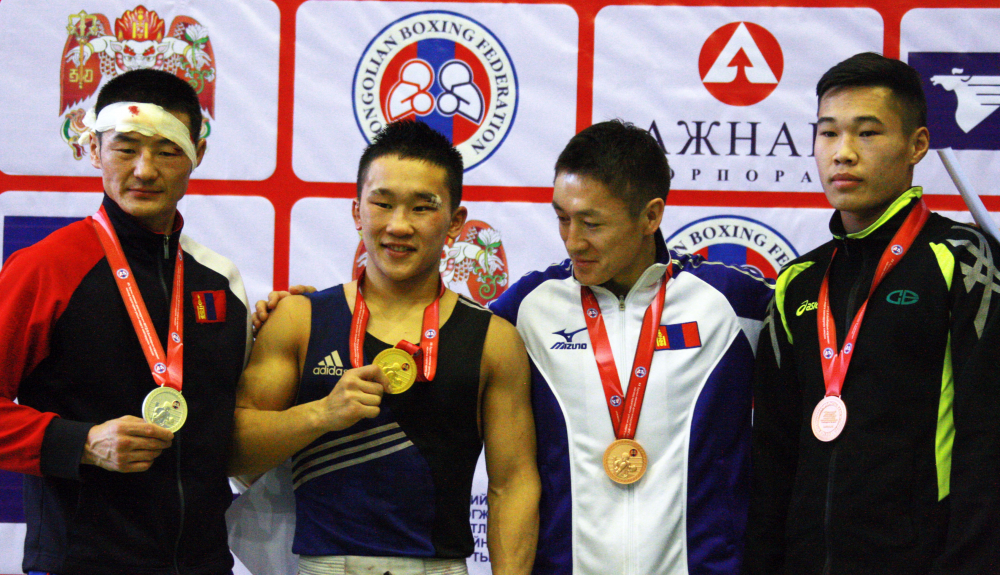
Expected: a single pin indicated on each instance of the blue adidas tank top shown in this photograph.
(398, 484)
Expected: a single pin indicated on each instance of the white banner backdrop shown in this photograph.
(957, 53)
(358, 64)
(324, 241)
(730, 92)
(231, 48)
(240, 228)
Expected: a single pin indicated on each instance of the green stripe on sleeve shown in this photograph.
(945, 260)
(781, 286)
(945, 438)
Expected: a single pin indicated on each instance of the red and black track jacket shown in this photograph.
(71, 358)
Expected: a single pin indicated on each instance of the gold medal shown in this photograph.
(166, 407)
(625, 461)
(398, 367)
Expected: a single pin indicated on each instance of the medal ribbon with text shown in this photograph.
(835, 364)
(167, 368)
(424, 354)
(624, 414)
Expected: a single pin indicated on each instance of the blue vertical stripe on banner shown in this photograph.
(436, 52)
(11, 499)
(22, 231)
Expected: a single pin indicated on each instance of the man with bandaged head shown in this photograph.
(122, 341)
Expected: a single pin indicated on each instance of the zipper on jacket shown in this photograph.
(855, 291)
(826, 511)
(630, 557)
(163, 273)
(180, 495)
(628, 568)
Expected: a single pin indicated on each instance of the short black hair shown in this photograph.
(626, 159)
(414, 140)
(869, 69)
(151, 86)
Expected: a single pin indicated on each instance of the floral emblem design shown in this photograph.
(95, 52)
(475, 261)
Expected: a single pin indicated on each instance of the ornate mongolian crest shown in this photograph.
(476, 258)
(94, 53)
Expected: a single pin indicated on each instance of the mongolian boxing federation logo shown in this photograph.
(741, 63)
(476, 259)
(736, 240)
(95, 52)
(443, 69)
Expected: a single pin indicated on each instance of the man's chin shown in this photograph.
(588, 279)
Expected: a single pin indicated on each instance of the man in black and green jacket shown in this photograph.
(877, 449)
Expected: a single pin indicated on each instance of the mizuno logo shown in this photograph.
(568, 344)
(806, 306)
(330, 365)
(902, 297)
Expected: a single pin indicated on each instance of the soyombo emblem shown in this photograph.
(95, 52)
(443, 69)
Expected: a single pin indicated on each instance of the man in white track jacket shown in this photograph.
(644, 462)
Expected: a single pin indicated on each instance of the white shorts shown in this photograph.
(355, 565)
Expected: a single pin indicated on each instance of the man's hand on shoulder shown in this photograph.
(356, 396)
(127, 444)
(263, 308)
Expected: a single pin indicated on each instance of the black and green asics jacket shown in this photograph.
(912, 484)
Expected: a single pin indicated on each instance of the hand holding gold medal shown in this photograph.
(166, 407)
(399, 368)
(397, 363)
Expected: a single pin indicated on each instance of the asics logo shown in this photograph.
(806, 306)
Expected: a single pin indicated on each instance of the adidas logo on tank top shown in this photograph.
(330, 365)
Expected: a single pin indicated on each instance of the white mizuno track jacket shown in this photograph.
(688, 513)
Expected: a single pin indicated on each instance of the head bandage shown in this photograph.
(146, 119)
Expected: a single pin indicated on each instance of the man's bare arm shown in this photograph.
(509, 434)
(269, 427)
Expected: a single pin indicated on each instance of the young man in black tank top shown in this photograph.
(409, 190)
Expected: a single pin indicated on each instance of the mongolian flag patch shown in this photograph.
(209, 306)
(678, 336)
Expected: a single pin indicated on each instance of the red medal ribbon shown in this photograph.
(167, 369)
(424, 354)
(624, 413)
(835, 364)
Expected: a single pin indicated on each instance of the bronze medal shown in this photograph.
(625, 461)
(399, 368)
(166, 407)
(829, 418)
